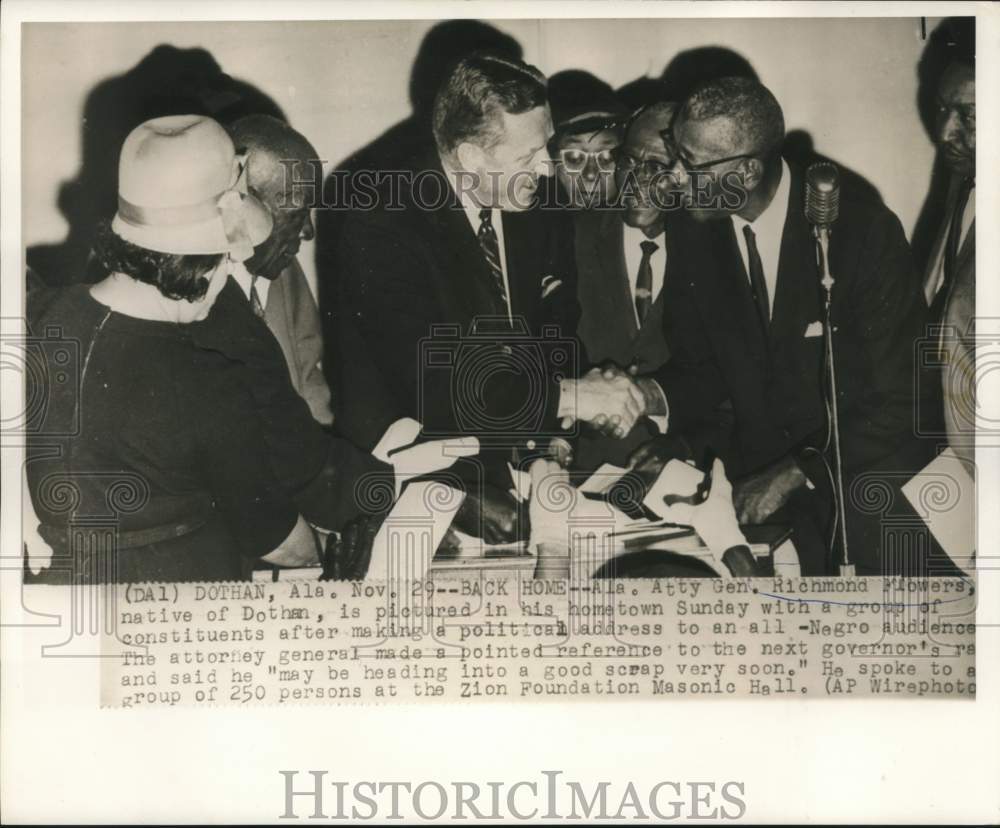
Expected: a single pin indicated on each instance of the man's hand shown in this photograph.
(714, 519)
(609, 400)
(398, 448)
(649, 459)
(298, 549)
(348, 556)
(490, 515)
(760, 495)
(551, 495)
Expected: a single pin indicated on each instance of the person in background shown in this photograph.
(621, 260)
(589, 126)
(950, 278)
(144, 421)
(284, 172)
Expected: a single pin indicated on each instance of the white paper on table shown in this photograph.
(405, 544)
(676, 478)
(602, 479)
(522, 483)
(944, 495)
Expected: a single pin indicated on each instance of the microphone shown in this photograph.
(822, 209)
(822, 194)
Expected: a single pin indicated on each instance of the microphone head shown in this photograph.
(822, 193)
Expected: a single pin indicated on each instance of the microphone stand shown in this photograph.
(822, 235)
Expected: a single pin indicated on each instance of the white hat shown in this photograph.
(182, 189)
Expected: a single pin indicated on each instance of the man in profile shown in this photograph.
(744, 322)
(285, 173)
(461, 242)
(950, 279)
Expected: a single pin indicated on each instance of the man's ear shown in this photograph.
(469, 155)
(753, 172)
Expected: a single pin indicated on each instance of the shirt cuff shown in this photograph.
(657, 409)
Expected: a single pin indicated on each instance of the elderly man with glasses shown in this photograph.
(744, 322)
(621, 262)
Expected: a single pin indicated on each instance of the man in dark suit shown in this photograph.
(621, 261)
(950, 278)
(458, 295)
(743, 319)
(284, 172)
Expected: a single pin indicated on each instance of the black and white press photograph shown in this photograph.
(571, 366)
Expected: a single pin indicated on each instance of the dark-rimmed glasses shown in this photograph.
(689, 166)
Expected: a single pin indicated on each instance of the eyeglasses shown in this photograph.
(690, 167)
(646, 167)
(575, 160)
(704, 165)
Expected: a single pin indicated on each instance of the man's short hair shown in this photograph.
(958, 36)
(469, 104)
(751, 108)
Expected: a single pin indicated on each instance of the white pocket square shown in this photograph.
(550, 284)
(814, 329)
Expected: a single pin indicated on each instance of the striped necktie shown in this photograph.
(488, 241)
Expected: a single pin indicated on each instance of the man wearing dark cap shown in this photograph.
(588, 120)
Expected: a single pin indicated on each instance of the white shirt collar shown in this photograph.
(772, 221)
(472, 213)
(768, 229)
(245, 280)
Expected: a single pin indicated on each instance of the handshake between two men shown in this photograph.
(611, 400)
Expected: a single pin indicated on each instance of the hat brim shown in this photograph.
(591, 122)
(199, 238)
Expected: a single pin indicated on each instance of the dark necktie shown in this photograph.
(255, 302)
(951, 245)
(644, 281)
(758, 287)
(487, 236)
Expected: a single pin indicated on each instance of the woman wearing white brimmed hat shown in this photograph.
(169, 446)
(143, 432)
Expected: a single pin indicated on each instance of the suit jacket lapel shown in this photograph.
(737, 298)
(968, 248)
(611, 250)
(710, 259)
(466, 273)
(797, 287)
(522, 246)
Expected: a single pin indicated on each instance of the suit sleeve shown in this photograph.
(691, 379)
(885, 314)
(320, 473)
(388, 289)
(258, 511)
(307, 344)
